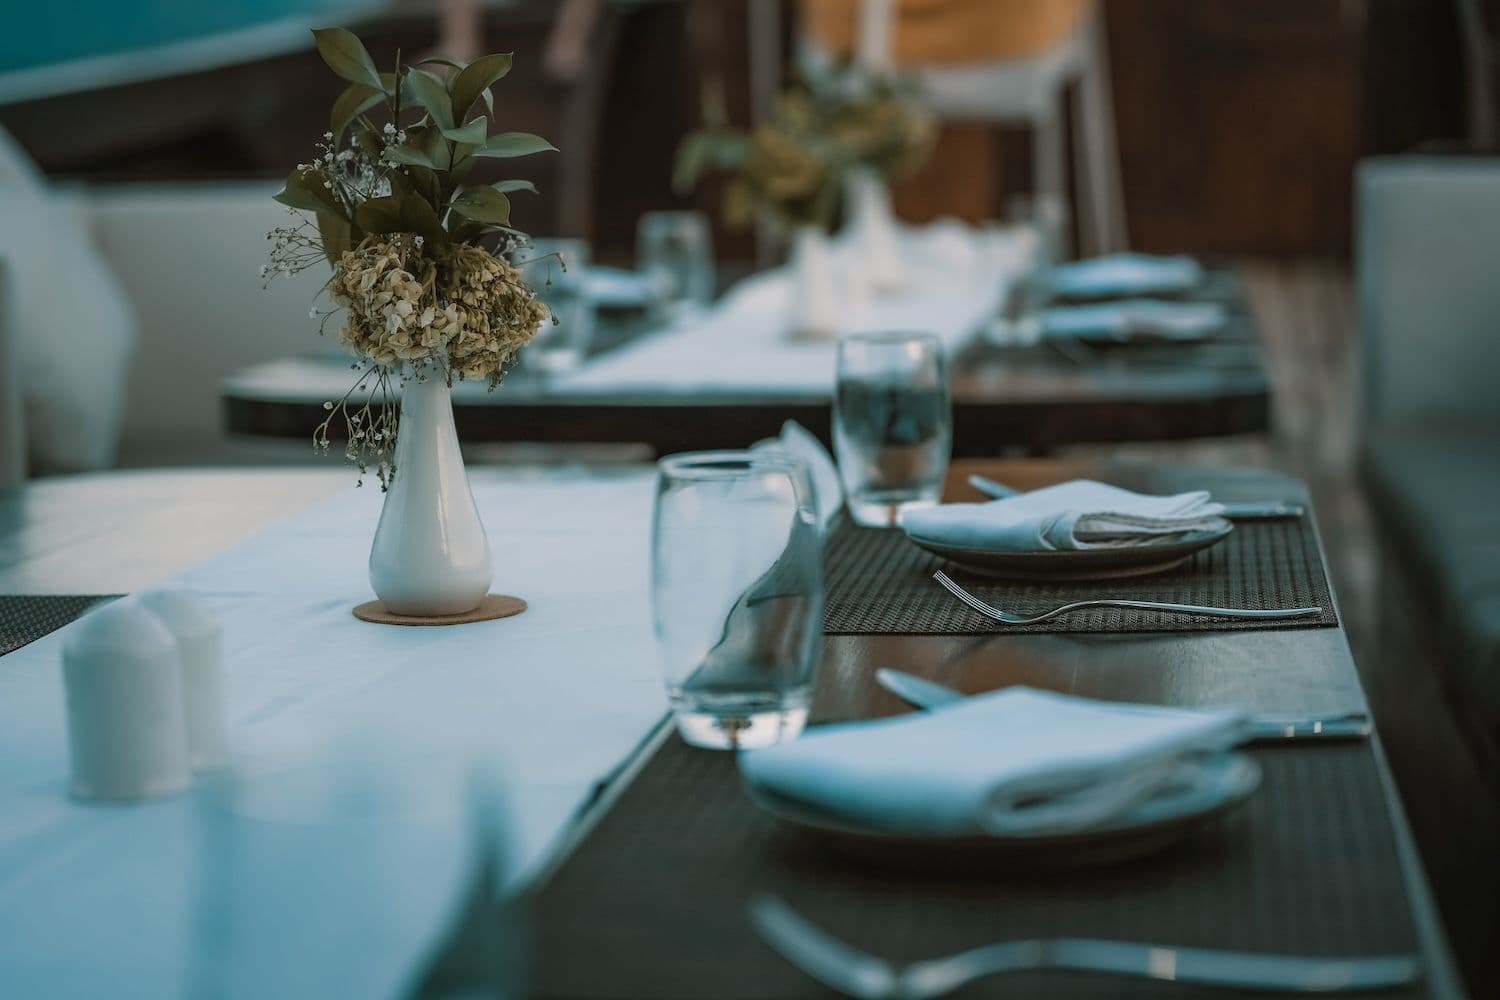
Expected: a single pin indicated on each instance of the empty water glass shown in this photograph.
(557, 271)
(737, 589)
(892, 424)
(362, 872)
(675, 253)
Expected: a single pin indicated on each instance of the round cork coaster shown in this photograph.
(493, 606)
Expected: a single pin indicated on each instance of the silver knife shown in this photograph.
(921, 693)
(1245, 510)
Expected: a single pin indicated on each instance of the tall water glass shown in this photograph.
(355, 874)
(737, 589)
(892, 424)
(674, 251)
(557, 271)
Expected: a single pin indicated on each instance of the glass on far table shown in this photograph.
(1040, 223)
(674, 251)
(892, 424)
(557, 271)
(737, 591)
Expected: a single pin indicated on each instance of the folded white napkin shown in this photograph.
(799, 442)
(1080, 514)
(1135, 319)
(616, 287)
(1018, 762)
(1125, 274)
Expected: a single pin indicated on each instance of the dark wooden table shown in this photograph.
(111, 533)
(1263, 670)
(1025, 399)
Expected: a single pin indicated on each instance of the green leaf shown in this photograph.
(477, 78)
(506, 187)
(379, 215)
(474, 133)
(443, 61)
(420, 218)
(369, 140)
(354, 101)
(435, 146)
(463, 162)
(700, 151)
(306, 189)
(405, 213)
(508, 144)
(482, 204)
(336, 237)
(431, 95)
(409, 155)
(345, 55)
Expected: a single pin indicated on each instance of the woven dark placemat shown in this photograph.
(879, 582)
(651, 904)
(25, 618)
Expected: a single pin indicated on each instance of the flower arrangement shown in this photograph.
(792, 167)
(421, 267)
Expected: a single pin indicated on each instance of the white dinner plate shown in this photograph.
(1082, 564)
(1225, 782)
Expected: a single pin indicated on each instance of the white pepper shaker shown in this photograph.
(200, 645)
(126, 727)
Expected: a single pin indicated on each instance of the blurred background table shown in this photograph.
(1024, 399)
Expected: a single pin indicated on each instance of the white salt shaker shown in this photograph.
(200, 644)
(126, 726)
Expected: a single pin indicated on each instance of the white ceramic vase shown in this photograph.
(430, 556)
(813, 309)
(872, 224)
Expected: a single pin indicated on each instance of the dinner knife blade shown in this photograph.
(924, 694)
(1234, 510)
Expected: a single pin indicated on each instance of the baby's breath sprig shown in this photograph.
(369, 427)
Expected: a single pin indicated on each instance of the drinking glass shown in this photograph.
(892, 424)
(557, 271)
(365, 873)
(674, 251)
(737, 590)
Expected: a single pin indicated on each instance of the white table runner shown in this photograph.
(958, 276)
(98, 900)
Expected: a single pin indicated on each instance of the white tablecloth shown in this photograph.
(957, 277)
(98, 900)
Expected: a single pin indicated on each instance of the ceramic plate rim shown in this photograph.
(1059, 563)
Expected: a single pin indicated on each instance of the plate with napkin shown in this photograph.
(1124, 274)
(1075, 530)
(1018, 774)
(1135, 321)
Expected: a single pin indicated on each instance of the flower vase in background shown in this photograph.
(812, 310)
(873, 227)
(430, 556)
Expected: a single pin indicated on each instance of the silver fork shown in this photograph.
(858, 974)
(1008, 618)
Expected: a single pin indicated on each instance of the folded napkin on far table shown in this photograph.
(1080, 514)
(1018, 762)
(1136, 319)
(1124, 274)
